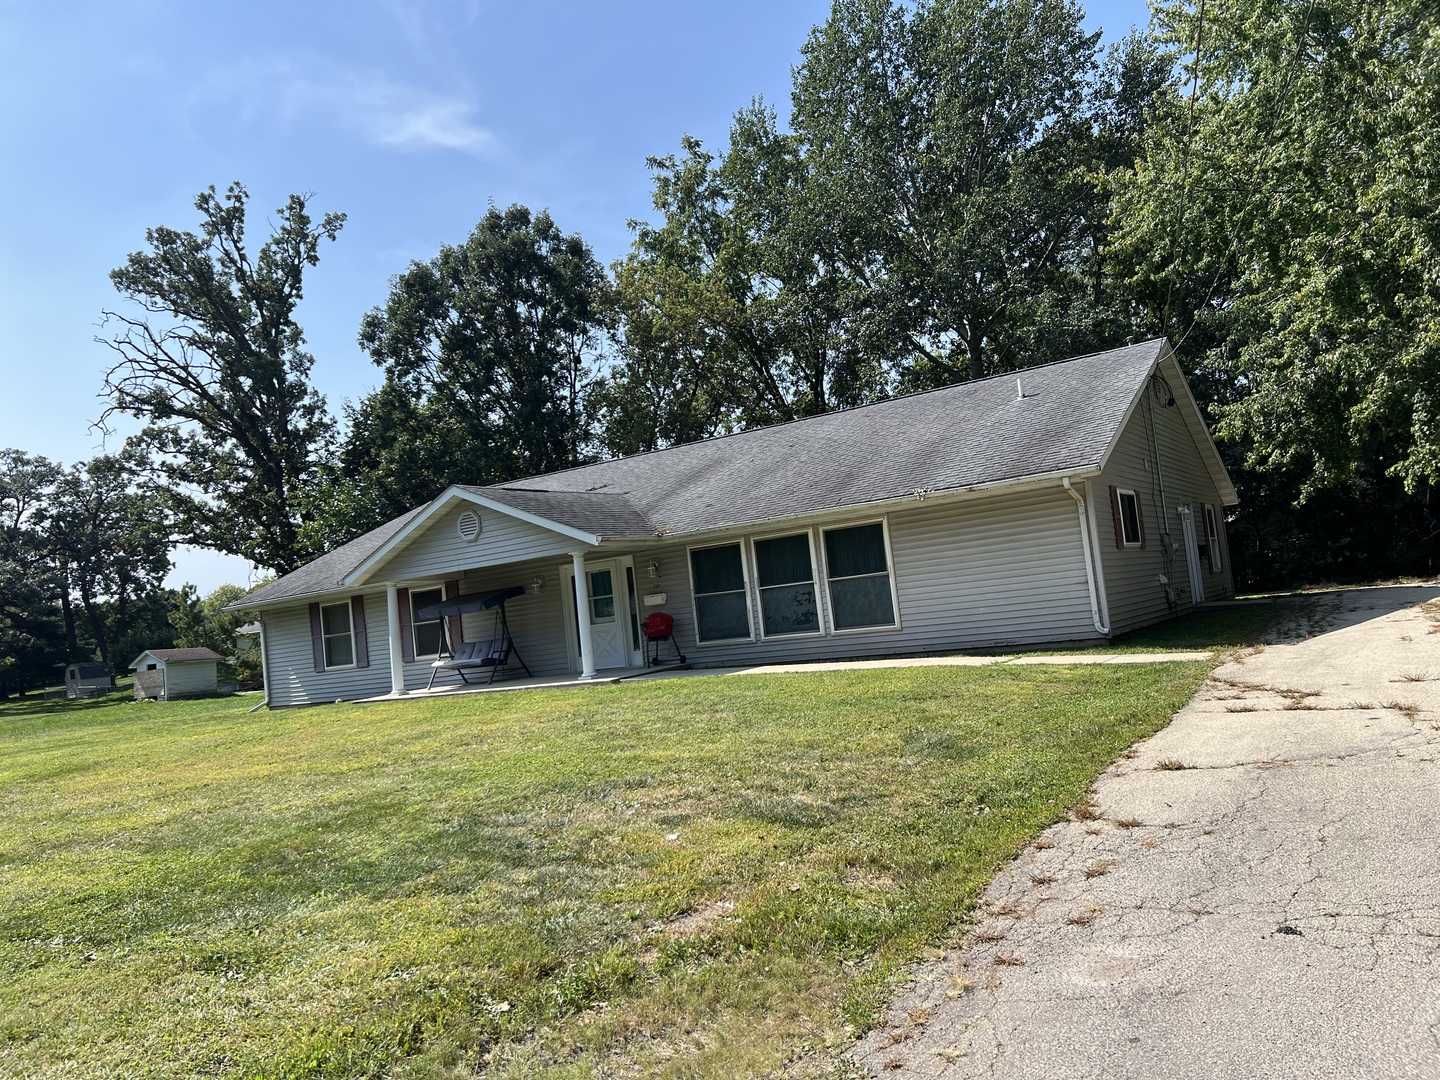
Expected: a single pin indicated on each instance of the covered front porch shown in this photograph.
(441, 572)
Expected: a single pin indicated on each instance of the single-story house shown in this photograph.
(1062, 503)
(175, 673)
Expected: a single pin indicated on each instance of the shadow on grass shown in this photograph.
(26, 707)
(1213, 628)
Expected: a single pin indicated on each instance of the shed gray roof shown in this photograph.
(964, 436)
(179, 656)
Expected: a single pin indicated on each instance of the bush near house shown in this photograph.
(698, 877)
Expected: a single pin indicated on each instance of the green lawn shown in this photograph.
(1219, 629)
(694, 877)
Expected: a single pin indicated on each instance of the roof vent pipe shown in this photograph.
(1019, 391)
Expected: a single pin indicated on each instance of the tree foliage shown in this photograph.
(32, 638)
(935, 212)
(215, 368)
(1301, 192)
(489, 352)
(110, 545)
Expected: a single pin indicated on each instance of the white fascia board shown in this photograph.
(1200, 432)
(441, 503)
(135, 664)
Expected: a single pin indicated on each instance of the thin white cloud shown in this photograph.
(369, 105)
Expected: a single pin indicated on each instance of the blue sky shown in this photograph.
(410, 118)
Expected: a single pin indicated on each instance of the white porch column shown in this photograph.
(582, 612)
(397, 659)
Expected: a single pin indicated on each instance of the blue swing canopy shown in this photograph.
(468, 602)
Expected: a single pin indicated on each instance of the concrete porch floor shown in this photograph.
(609, 678)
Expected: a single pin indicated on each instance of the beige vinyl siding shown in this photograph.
(439, 549)
(292, 674)
(537, 620)
(1132, 584)
(991, 572)
(188, 678)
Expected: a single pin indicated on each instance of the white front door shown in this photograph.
(607, 607)
(1192, 555)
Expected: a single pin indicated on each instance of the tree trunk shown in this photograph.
(72, 645)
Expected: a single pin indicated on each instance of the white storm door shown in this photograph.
(1192, 555)
(607, 608)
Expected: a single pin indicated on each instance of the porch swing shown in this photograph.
(475, 656)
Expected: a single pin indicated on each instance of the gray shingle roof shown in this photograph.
(600, 513)
(957, 437)
(325, 573)
(179, 656)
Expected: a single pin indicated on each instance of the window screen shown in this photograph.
(718, 580)
(427, 632)
(859, 577)
(339, 642)
(786, 580)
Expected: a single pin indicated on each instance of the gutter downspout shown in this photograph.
(264, 668)
(1100, 626)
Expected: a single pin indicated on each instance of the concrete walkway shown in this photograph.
(1256, 896)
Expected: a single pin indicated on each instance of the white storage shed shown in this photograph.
(175, 673)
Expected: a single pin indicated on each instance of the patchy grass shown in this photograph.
(1218, 630)
(694, 877)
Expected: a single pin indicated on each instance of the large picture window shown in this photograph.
(426, 632)
(338, 634)
(717, 577)
(785, 576)
(857, 567)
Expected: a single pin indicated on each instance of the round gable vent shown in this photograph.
(468, 524)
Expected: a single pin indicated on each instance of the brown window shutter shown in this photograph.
(1140, 518)
(454, 632)
(317, 638)
(1115, 517)
(407, 637)
(362, 639)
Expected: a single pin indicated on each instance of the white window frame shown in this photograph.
(820, 605)
(879, 628)
(416, 623)
(1212, 538)
(745, 591)
(1125, 540)
(325, 638)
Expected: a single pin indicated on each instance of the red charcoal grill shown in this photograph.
(658, 627)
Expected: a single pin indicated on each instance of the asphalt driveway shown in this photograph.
(1257, 893)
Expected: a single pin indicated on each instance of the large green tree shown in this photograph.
(214, 366)
(108, 537)
(33, 642)
(936, 212)
(954, 147)
(489, 351)
(1282, 227)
